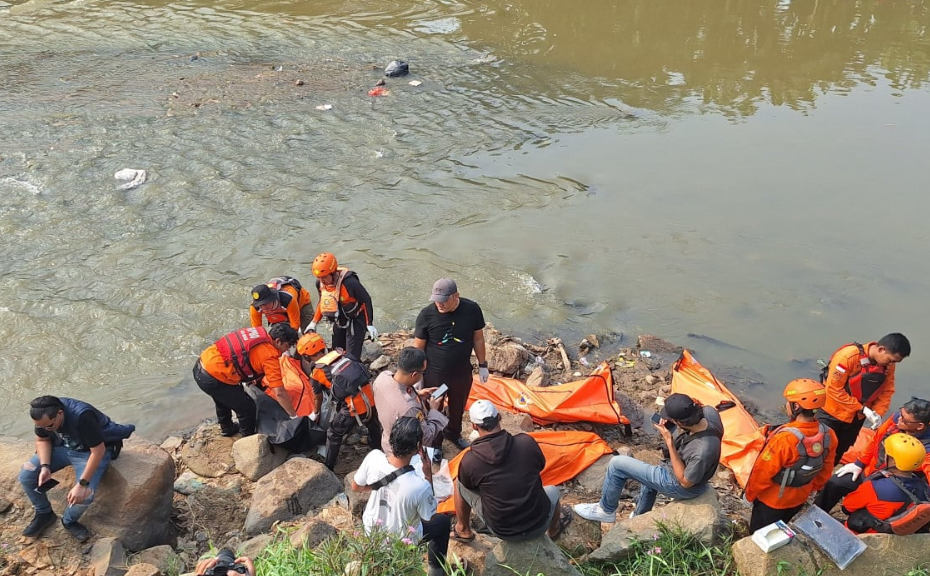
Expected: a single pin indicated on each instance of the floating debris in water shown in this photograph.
(396, 68)
(135, 177)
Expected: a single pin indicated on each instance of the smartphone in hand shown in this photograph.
(656, 418)
(48, 485)
(440, 391)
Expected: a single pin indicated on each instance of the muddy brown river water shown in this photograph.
(753, 171)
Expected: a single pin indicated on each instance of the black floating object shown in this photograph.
(396, 68)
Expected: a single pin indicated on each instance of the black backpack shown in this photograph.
(348, 376)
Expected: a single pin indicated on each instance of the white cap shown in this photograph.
(480, 410)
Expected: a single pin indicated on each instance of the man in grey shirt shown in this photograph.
(693, 453)
(398, 395)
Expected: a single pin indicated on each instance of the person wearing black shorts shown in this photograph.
(448, 330)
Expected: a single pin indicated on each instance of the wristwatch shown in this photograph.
(49, 466)
(84, 483)
(482, 364)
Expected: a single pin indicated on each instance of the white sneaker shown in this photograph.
(594, 512)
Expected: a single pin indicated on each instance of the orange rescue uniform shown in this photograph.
(781, 451)
(263, 358)
(297, 385)
(290, 314)
(869, 458)
(844, 365)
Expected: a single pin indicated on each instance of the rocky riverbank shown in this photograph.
(161, 507)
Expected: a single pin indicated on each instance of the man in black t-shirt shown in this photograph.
(448, 330)
(68, 433)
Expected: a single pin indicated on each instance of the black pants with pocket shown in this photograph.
(436, 532)
(351, 338)
(763, 515)
(846, 433)
(227, 398)
(836, 488)
(343, 423)
(459, 383)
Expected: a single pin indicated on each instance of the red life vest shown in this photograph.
(812, 451)
(235, 348)
(864, 385)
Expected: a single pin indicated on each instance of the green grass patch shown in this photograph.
(670, 552)
(348, 553)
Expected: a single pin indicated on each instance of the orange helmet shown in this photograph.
(324, 264)
(806, 393)
(310, 344)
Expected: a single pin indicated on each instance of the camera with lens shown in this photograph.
(226, 561)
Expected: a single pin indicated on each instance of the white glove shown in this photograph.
(852, 469)
(373, 333)
(313, 416)
(873, 417)
(483, 374)
(311, 327)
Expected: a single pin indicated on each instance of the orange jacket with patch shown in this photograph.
(843, 365)
(869, 458)
(263, 358)
(297, 385)
(291, 314)
(781, 451)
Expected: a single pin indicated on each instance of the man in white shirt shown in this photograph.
(401, 502)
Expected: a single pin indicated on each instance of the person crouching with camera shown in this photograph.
(225, 565)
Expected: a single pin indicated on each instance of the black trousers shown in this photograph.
(846, 433)
(227, 398)
(763, 514)
(459, 383)
(343, 423)
(351, 337)
(835, 490)
(436, 533)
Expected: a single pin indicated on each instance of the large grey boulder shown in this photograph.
(162, 557)
(255, 456)
(580, 538)
(591, 479)
(132, 504)
(207, 453)
(886, 555)
(358, 500)
(538, 556)
(697, 516)
(144, 570)
(311, 534)
(291, 490)
(108, 558)
(507, 358)
(371, 351)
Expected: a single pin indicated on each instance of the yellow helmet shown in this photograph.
(907, 451)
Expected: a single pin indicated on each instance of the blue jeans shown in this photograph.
(652, 480)
(61, 458)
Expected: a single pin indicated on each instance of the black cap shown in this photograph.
(262, 294)
(679, 407)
